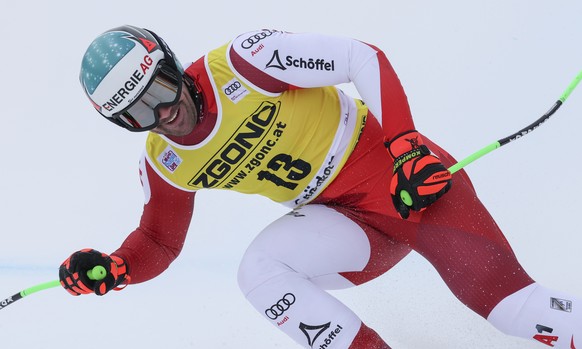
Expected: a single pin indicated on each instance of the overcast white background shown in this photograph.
(474, 72)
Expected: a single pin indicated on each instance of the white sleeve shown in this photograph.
(271, 59)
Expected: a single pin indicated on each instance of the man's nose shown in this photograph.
(164, 112)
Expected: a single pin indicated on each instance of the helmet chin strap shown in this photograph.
(196, 95)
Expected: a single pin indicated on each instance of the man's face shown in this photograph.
(178, 119)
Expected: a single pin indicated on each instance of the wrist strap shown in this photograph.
(414, 153)
(123, 278)
(123, 284)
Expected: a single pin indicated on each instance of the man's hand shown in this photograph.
(419, 177)
(74, 278)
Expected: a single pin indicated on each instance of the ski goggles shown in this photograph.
(164, 89)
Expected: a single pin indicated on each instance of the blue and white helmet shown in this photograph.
(120, 69)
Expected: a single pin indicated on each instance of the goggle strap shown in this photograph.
(195, 92)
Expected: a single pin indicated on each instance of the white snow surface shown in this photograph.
(474, 72)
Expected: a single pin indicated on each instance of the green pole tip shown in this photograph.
(571, 87)
(406, 198)
(97, 273)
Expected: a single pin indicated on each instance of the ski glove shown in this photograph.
(419, 177)
(74, 278)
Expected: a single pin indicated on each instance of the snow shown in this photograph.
(474, 72)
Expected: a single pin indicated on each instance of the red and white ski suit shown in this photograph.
(348, 232)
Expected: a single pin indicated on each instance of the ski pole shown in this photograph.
(407, 199)
(503, 141)
(97, 273)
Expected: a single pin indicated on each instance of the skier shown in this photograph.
(261, 115)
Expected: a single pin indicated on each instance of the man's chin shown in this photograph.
(175, 132)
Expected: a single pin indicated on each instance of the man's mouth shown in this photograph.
(172, 117)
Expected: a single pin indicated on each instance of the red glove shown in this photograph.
(419, 177)
(74, 278)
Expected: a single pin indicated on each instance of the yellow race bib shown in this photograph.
(286, 146)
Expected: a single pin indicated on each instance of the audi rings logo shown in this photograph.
(254, 39)
(280, 307)
(232, 87)
(235, 90)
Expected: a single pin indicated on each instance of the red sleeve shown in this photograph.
(396, 114)
(158, 240)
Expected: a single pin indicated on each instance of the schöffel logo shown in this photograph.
(235, 90)
(314, 332)
(281, 306)
(302, 63)
(170, 159)
(254, 39)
